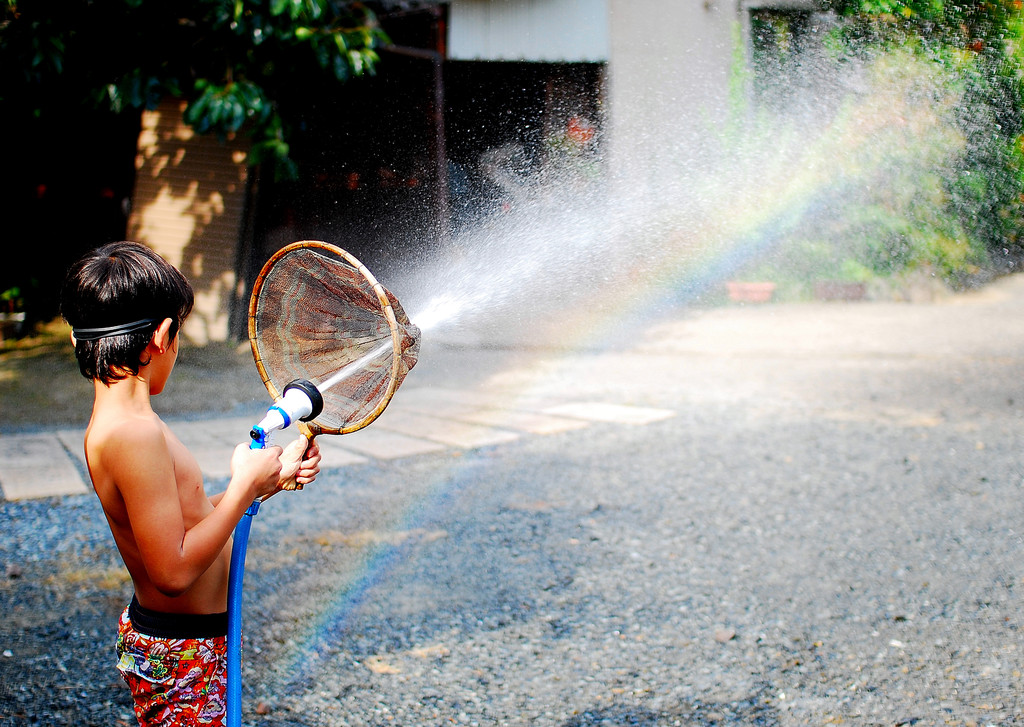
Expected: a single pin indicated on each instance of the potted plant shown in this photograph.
(12, 315)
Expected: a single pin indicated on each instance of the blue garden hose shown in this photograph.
(301, 400)
(236, 574)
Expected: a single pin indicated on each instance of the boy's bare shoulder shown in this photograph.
(122, 440)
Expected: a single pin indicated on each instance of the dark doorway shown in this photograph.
(367, 153)
(515, 117)
(66, 184)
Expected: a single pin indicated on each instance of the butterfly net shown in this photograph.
(316, 313)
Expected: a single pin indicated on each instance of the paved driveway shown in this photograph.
(778, 515)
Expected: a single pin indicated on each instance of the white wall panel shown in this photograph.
(528, 30)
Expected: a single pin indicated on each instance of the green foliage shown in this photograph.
(227, 107)
(11, 300)
(980, 25)
(228, 58)
(905, 219)
(880, 168)
(938, 179)
(979, 46)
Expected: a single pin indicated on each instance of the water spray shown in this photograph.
(359, 363)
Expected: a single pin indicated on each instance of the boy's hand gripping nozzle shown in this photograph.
(301, 401)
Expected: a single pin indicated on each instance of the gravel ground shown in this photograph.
(827, 532)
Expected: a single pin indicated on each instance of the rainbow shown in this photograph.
(666, 252)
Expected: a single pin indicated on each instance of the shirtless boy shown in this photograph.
(126, 305)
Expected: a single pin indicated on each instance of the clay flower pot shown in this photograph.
(756, 292)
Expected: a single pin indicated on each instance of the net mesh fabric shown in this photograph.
(315, 310)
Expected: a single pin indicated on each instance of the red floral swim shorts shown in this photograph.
(175, 682)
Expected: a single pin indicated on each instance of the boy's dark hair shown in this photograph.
(119, 283)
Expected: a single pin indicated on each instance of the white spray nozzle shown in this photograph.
(301, 401)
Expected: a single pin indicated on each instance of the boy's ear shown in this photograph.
(162, 335)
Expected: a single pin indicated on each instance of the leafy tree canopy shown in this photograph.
(980, 45)
(977, 25)
(227, 58)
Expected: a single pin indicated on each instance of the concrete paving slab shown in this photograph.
(36, 465)
(529, 422)
(334, 454)
(614, 413)
(229, 432)
(458, 434)
(438, 393)
(435, 399)
(74, 443)
(57, 477)
(206, 442)
(383, 444)
(440, 408)
(428, 421)
(26, 448)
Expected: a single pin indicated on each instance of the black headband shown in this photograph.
(94, 334)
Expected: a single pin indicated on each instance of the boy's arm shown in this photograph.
(143, 470)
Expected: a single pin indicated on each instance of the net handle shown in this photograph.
(312, 429)
(292, 483)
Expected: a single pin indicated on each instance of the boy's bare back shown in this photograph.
(151, 490)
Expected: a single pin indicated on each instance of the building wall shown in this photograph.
(668, 63)
(664, 95)
(553, 31)
(668, 86)
(188, 204)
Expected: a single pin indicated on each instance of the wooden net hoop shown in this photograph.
(401, 343)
